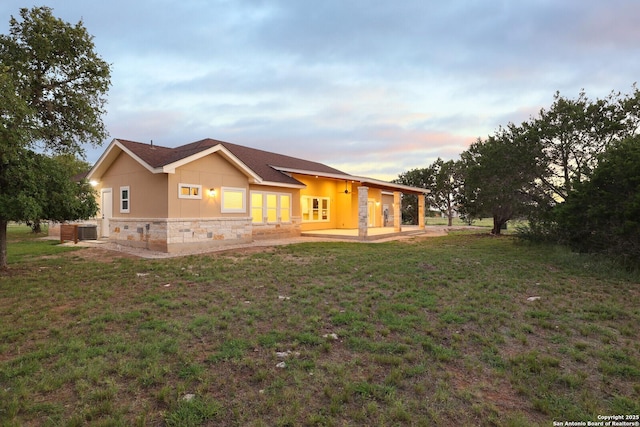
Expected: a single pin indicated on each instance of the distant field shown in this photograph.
(485, 222)
(467, 329)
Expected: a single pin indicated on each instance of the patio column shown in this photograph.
(397, 211)
(363, 212)
(421, 211)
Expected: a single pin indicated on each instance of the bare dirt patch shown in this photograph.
(99, 255)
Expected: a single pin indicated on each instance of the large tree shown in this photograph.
(53, 87)
(499, 176)
(68, 195)
(445, 186)
(39, 187)
(574, 132)
(602, 214)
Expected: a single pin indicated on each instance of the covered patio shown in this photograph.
(373, 233)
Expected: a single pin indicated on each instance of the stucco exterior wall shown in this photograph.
(211, 172)
(347, 208)
(320, 187)
(148, 191)
(344, 206)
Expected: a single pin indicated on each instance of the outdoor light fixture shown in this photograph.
(93, 182)
(212, 192)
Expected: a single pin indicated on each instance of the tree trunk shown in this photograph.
(498, 222)
(449, 212)
(3, 245)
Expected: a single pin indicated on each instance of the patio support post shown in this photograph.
(397, 214)
(363, 212)
(421, 211)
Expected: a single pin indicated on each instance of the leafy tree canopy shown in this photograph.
(52, 88)
(445, 186)
(39, 187)
(527, 170)
(499, 176)
(574, 132)
(602, 214)
(55, 71)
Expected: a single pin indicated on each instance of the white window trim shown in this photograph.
(128, 199)
(320, 199)
(244, 200)
(289, 208)
(278, 208)
(183, 196)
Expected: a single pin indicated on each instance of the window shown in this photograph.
(270, 207)
(125, 196)
(234, 200)
(315, 209)
(257, 203)
(285, 207)
(189, 191)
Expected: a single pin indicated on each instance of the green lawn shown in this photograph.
(436, 331)
(23, 244)
(457, 222)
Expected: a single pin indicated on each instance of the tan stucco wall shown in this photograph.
(347, 208)
(212, 171)
(344, 207)
(319, 187)
(148, 194)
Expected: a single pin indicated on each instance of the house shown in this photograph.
(210, 193)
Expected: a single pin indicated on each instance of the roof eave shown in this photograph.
(282, 184)
(314, 173)
(362, 179)
(392, 185)
(110, 154)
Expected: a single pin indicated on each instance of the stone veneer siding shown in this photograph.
(181, 234)
(276, 231)
(363, 212)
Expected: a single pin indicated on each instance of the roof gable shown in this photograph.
(262, 167)
(256, 164)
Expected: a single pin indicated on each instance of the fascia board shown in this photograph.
(362, 179)
(283, 185)
(97, 165)
(314, 173)
(144, 164)
(109, 155)
(400, 187)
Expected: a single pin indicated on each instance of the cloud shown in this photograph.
(374, 88)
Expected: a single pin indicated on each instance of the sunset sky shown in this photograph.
(373, 88)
